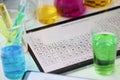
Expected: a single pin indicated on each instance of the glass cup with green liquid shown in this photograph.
(104, 48)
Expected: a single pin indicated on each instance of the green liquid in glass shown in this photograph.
(104, 47)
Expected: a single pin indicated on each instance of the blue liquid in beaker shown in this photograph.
(13, 61)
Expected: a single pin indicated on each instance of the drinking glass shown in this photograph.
(104, 42)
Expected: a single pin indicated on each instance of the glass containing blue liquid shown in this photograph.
(13, 61)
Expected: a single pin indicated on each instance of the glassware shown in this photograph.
(46, 12)
(105, 41)
(97, 3)
(70, 8)
(17, 36)
(5, 15)
(12, 54)
(12, 7)
(13, 61)
(16, 10)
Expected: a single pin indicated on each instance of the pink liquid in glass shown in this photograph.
(70, 8)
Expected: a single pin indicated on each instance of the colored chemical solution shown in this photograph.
(13, 61)
(97, 3)
(47, 14)
(3, 29)
(5, 15)
(70, 8)
(104, 47)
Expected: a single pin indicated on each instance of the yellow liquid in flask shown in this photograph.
(97, 3)
(47, 14)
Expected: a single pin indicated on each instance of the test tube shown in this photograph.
(5, 15)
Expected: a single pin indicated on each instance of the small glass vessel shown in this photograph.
(97, 3)
(70, 8)
(46, 12)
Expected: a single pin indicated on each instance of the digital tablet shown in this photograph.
(66, 45)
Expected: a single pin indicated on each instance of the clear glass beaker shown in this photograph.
(70, 8)
(46, 12)
(11, 14)
(13, 61)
